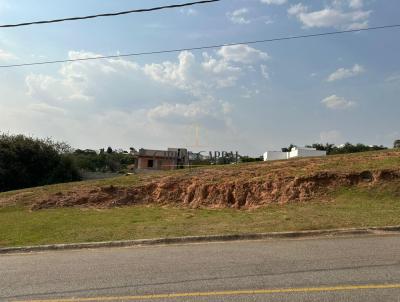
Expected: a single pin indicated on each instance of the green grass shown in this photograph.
(349, 207)
(28, 194)
(383, 163)
(378, 205)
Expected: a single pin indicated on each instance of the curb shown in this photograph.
(196, 239)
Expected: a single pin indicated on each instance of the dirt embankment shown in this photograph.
(218, 188)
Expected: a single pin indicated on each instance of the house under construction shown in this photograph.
(171, 159)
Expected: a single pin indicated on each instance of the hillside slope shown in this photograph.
(235, 186)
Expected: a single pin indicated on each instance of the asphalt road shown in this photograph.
(321, 269)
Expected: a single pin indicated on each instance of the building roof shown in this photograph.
(170, 153)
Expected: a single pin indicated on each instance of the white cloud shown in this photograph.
(207, 112)
(188, 11)
(168, 72)
(192, 76)
(6, 56)
(394, 78)
(91, 84)
(297, 9)
(117, 127)
(335, 16)
(335, 102)
(76, 79)
(48, 88)
(151, 104)
(239, 16)
(264, 71)
(268, 20)
(242, 54)
(249, 93)
(275, 2)
(243, 16)
(356, 3)
(344, 73)
(47, 109)
(104, 64)
(212, 72)
(222, 72)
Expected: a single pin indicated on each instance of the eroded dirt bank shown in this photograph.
(218, 188)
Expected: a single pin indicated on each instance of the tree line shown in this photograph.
(108, 160)
(28, 162)
(331, 149)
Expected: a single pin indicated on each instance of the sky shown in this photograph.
(246, 98)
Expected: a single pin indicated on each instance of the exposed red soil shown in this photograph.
(235, 186)
(205, 189)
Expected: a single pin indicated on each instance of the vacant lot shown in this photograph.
(348, 208)
(34, 216)
(245, 186)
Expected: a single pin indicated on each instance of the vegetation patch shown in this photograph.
(237, 186)
(355, 190)
(27, 162)
(348, 207)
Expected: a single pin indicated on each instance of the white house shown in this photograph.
(275, 155)
(295, 152)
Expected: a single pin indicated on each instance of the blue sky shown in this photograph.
(247, 98)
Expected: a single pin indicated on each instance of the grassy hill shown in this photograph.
(338, 191)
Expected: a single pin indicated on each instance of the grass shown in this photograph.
(25, 196)
(28, 194)
(359, 206)
(360, 165)
(349, 207)
(386, 159)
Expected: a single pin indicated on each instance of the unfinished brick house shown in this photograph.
(171, 159)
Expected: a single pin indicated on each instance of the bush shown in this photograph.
(248, 159)
(350, 148)
(109, 161)
(28, 162)
(346, 148)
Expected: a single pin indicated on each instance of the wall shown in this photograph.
(306, 153)
(296, 152)
(275, 155)
(158, 163)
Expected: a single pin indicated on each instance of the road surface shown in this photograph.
(347, 269)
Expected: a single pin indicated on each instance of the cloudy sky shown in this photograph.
(247, 98)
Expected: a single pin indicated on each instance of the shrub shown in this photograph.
(346, 148)
(90, 160)
(28, 162)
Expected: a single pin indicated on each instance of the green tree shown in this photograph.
(114, 161)
(27, 162)
(346, 148)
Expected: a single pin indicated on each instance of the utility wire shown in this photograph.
(204, 47)
(109, 14)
